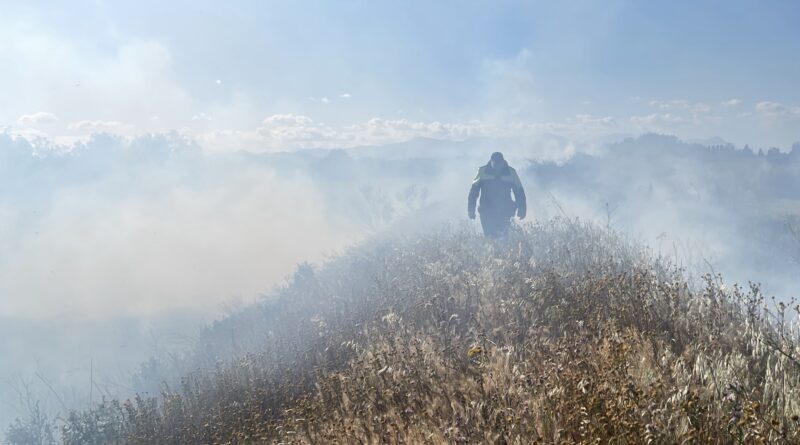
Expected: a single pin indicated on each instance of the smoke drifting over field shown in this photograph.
(124, 248)
(172, 174)
(138, 236)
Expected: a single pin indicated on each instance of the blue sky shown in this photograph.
(272, 75)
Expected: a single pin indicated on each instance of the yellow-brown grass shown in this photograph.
(564, 333)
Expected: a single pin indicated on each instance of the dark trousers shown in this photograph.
(495, 226)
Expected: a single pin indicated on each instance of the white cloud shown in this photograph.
(290, 132)
(201, 117)
(589, 120)
(345, 96)
(100, 126)
(379, 131)
(656, 121)
(700, 108)
(324, 100)
(680, 104)
(732, 103)
(675, 111)
(232, 140)
(287, 120)
(776, 112)
(578, 127)
(38, 118)
(278, 132)
(31, 135)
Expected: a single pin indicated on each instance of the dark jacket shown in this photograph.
(494, 186)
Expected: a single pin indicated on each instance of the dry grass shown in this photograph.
(563, 334)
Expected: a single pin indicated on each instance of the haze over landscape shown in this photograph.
(163, 167)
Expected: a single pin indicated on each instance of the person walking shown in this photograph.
(494, 184)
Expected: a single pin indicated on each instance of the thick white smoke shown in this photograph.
(139, 238)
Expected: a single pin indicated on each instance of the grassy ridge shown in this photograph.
(563, 334)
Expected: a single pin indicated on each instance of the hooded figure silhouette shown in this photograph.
(495, 183)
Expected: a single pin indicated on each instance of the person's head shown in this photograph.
(497, 161)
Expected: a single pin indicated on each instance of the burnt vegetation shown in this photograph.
(565, 333)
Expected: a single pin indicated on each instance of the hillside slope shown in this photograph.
(563, 334)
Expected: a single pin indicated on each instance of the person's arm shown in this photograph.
(519, 195)
(474, 191)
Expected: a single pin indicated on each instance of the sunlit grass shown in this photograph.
(565, 333)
